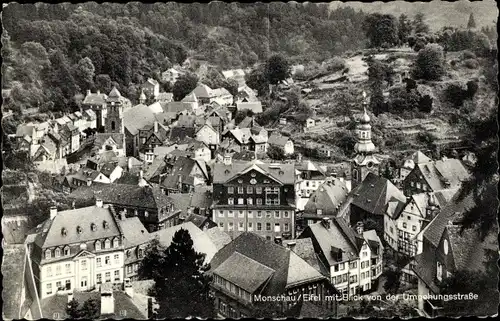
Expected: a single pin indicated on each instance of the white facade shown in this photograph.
(208, 135)
(289, 150)
(304, 188)
(203, 153)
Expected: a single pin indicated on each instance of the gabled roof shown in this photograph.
(25, 130)
(107, 169)
(233, 73)
(374, 193)
(52, 235)
(114, 93)
(134, 232)
(441, 172)
(419, 158)
(278, 140)
(266, 264)
(248, 122)
(304, 248)
(180, 133)
(177, 107)
(203, 91)
(220, 92)
(95, 99)
(218, 237)
(152, 81)
(101, 138)
(283, 173)
(191, 98)
(136, 117)
(328, 197)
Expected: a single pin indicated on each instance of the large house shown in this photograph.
(430, 176)
(256, 197)
(241, 139)
(151, 88)
(135, 240)
(184, 175)
(251, 267)
(283, 142)
(354, 257)
(448, 249)
(97, 103)
(170, 75)
(309, 177)
(77, 249)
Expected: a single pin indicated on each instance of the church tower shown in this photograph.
(365, 161)
(114, 113)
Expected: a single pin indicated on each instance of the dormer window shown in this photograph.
(319, 211)
(79, 230)
(64, 232)
(107, 244)
(93, 227)
(105, 225)
(48, 254)
(66, 250)
(98, 245)
(128, 253)
(116, 243)
(57, 253)
(139, 253)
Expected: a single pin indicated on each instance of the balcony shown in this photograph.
(433, 308)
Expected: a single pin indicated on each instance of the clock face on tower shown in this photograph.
(369, 165)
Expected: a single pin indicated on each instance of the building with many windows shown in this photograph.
(77, 249)
(251, 267)
(353, 256)
(254, 197)
(309, 177)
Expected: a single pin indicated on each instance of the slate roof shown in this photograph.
(248, 122)
(168, 97)
(100, 138)
(374, 193)
(134, 232)
(24, 130)
(180, 133)
(107, 169)
(262, 259)
(58, 303)
(128, 178)
(255, 107)
(203, 91)
(137, 117)
(278, 140)
(95, 99)
(52, 236)
(284, 173)
(304, 248)
(448, 169)
(190, 98)
(220, 92)
(177, 107)
(124, 195)
(186, 121)
(328, 197)
(218, 237)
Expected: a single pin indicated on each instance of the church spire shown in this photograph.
(364, 143)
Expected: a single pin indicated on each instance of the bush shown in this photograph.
(455, 94)
(472, 88)
(430, 63)
(471, 63)
(467, 54)
(335, 64)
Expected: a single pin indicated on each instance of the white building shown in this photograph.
(308, 178)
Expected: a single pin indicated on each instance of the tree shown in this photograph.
(73, 309)
(103, 83)
(154, 258)
(392, 280)
(419, 24)
(405, 28)
(184, 85)
(90, 310)
(430, 63)
(232, 86)
(84, 73)
(471, 24)
(377, 103)
(276, 152)
(258, 81)
(181, 278)
(277, 69)
(381, 30)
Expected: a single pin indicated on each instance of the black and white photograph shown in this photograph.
(231, 160)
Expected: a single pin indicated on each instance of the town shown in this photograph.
(362, 185)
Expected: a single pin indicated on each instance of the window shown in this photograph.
(277, 227)
(230, 201)
(258, 190)
(93, 227)
(277, 214)
(249, 201)
(83, 283)
(231, 226)
(116, 258)
(58, 269)
(117, 275)
(84, 265)
(57, 253)
(259, 226)
(362, 265)
(268, 214)
(230, 214)
(49, 271)
(285, 214)
(240, 226)
(107, 244)
(58, 285)
(404, 225)
(409, 218)
(98, 262)
(341, 266)
(49, 288)
(353, 265)
(319, 211)
(107, 260)
(286, 227)
(140, 253)
(259, 201)
(259, 214)
(221, 225)
(66, 251)
(413, 228)
(221, 213)
(250, 214)
(123, 313)
(68, 284)
(67, 268)
(56, 316)
(48, 254)
(99, 278)
(250, 226)
(241, 214)
(240, 190)
(230, 190)
(107, 277)
(439, 274)
(249, 190)
(240, 201)
(392, 230)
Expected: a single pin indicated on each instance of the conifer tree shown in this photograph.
(472, 22)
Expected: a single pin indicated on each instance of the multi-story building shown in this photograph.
(309, 177)
(97, 103)
(77, 249)
(136, 239)
(354, 257)
(431, 176)
(254, 197)
(251, 267)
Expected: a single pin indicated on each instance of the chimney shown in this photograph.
(291, 245)
(98, 202)
(107, 299)
(88, 92)
(326, 222)
(53, 212)
(70, 297)
(359, 227)
(156, 126)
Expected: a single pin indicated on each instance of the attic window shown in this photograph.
(93, 227)
(226, 171)
(240, 181)
(253, 174)
(79, 230)
(64, 232)
(281, 172)
(105, 225)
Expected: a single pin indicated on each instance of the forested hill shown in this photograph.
(53, 51)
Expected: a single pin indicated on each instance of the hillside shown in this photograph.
(438, 13)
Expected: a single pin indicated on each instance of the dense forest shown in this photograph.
(53, 51)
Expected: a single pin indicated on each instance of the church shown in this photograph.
(113, 138)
